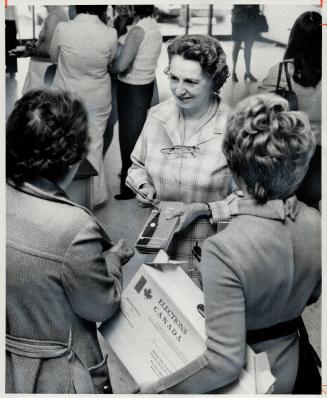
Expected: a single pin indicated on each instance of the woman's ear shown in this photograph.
(68, 175)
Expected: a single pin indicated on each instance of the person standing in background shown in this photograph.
(83, 48)
(39, 52)
(136, 66)
(244, 30)
(304, 64)
(178, 155)
(11, 40)
(120, 22)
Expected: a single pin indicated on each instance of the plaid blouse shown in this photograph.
(198, 176)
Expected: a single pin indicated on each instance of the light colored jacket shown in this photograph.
(263, 269)
(83, 49)
(61, 280)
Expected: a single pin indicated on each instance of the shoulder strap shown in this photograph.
(279, 75)
(287, 74)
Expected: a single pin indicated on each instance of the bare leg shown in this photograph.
(247, 58)
(236, 50)
(247, 55)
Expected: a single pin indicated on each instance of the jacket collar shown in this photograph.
(87, 17)
(46, 189)
(169, 113)
(273, 209)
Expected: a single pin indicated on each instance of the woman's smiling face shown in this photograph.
(192, 88)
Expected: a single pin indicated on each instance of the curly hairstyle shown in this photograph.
(203, 49)
(144, 11)
(268, 147)
(46, 132)
(304, 46)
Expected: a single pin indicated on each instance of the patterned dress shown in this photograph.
(201, 176)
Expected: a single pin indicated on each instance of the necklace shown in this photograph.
(191, 126)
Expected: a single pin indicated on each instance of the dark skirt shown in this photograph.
(243, 31)
(10, 41)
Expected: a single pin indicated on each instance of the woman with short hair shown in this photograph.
(136, 65)
(261, 271)
(63, 273)
(83, 49)
(175, 158)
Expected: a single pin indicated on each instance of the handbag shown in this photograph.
(261, 23)
(49, 75)
(286, 92)
(308, 379)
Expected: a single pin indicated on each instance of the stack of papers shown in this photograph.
(158, 231)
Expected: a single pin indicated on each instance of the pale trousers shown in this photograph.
(97, 123)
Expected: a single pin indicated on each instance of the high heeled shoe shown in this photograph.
(234, 77)
(250, 77)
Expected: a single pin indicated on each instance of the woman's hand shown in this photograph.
(123, 252)
(188, 213)
(149, 192)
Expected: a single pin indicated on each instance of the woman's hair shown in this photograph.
(203, 49)
(304, 46)
(98, 10)
(268, 146)
(144, 11)
(46, 132)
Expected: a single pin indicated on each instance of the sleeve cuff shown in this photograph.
(224, 210)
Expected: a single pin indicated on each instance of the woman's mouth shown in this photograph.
(183, 99)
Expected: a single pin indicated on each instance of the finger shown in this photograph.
(181, 224)
(150, 194)
(128, 253)
(120, 244)
(173, 214)
(142, 200)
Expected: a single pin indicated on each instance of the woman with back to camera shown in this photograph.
(83, 49)
(63, 272)
(261, 271)
(40, 51)
(303, 56)
(136, 66)
(175, 158)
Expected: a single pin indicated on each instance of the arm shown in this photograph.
(137, 173)
(113, 46)
(55, 44)
(224, 358)
(49, 27)
(218, 211)
(129, 51)
(270, 81)
(91, 274)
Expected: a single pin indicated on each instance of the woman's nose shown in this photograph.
(180, 88)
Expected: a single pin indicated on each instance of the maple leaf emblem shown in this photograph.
(148, 293)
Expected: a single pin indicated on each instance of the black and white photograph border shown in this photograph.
(114, 211)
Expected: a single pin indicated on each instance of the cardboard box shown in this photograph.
(160, 327)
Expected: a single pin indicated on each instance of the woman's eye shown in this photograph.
(191, 82)
(173, 78)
